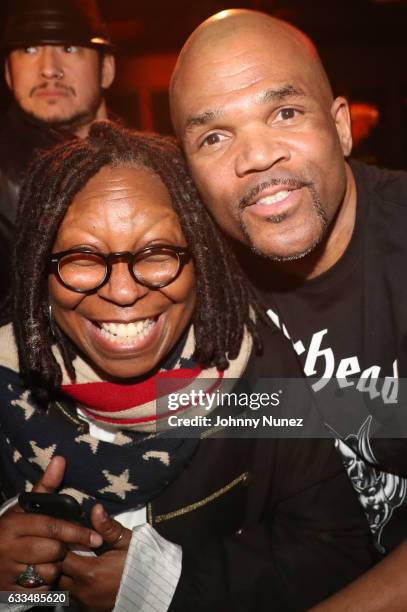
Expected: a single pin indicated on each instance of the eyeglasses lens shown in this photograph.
(157, 268)
(83, 271)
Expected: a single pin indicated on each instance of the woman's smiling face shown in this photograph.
(123, 209)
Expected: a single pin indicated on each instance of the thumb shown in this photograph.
(111, 531)
(52, 477)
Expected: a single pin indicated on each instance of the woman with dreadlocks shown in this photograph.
(125, 293)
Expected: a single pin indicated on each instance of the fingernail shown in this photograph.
(96, 539)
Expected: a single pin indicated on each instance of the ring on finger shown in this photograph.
(30, 578)
(118, 539)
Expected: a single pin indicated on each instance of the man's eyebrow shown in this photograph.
(273, 95)
(202, 118)
(269, 95)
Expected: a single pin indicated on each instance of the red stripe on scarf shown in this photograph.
(113, 397)
(154, 417)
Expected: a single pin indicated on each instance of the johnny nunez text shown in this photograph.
(229, 421)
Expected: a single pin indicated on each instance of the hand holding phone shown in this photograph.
(61, 506)
(26, 539)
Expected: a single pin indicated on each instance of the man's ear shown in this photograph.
(341, 116)
(108, 70)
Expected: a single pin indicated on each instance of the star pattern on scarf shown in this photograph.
(42, 455)
(162, 456)
(78, 495)
(16, 456)
(119, 485)
(120, 439)
(88, 439)
(22, 402)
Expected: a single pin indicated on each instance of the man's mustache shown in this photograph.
(289, 182)
(54, 85)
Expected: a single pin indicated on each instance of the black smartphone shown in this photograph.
(60, 506)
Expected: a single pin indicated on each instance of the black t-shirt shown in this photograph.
(323, 317)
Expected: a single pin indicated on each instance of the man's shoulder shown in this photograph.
(388, 185)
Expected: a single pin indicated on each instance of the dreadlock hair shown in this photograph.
(225, 301)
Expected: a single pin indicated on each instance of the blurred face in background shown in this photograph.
(60, 85)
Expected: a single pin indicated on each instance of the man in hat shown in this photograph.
(58, 63)
(267, 144)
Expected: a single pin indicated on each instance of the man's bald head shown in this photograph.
(227, 36)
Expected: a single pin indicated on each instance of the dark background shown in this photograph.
(363, 44)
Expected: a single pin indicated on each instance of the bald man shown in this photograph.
(268, 147)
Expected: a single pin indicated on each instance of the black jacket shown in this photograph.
(265, 524)
(269, 525)
(21, 138)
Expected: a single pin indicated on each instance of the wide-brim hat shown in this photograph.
(55, 22)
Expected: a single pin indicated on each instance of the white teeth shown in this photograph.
(277, 197)
(127, 331)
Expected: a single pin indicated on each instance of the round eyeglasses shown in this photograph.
(85, 271)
